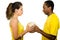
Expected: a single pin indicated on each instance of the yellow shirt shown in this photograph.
(20, 30)
(51, 26)
(59, 24)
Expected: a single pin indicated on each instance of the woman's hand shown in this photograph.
(30, 27)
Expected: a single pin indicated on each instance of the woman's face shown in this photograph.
(20, 11)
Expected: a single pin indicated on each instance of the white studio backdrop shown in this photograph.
(32, 12)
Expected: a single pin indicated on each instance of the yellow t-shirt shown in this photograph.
(59, 24)
(20, 30)
(51, 26)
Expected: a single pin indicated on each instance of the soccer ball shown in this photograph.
(31, 24)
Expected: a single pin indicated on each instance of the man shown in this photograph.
(51, 25)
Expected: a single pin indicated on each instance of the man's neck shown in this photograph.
(50, 13)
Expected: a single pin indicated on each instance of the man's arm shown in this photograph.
(49, 36)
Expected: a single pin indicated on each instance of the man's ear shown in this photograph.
(49, 7)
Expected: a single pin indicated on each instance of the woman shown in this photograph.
(13, 11)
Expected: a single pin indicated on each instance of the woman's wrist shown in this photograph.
(26, 31)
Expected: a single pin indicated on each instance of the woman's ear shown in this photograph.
(16, 10)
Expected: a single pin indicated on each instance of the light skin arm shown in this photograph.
(28, 29)
(15, 30)
(13, 24)
(21, 35)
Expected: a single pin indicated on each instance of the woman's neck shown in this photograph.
(15, 16)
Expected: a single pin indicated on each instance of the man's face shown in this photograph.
(45, 9)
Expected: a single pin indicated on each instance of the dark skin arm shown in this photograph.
(49, 36)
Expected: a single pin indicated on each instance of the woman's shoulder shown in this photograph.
(13, 21)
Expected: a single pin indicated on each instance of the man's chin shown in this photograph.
(46, 13)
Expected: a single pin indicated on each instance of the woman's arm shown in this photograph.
(28, 29)
(14, 27)
(22, 34)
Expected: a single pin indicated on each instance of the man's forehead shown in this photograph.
(44, 4)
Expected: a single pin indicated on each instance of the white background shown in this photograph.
(32, 13)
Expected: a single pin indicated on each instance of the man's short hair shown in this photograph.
(50, 3)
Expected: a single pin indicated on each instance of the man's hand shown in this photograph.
(32, 27)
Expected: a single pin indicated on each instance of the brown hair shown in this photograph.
(11, 9)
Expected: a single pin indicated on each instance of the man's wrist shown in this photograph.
(37, 29)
